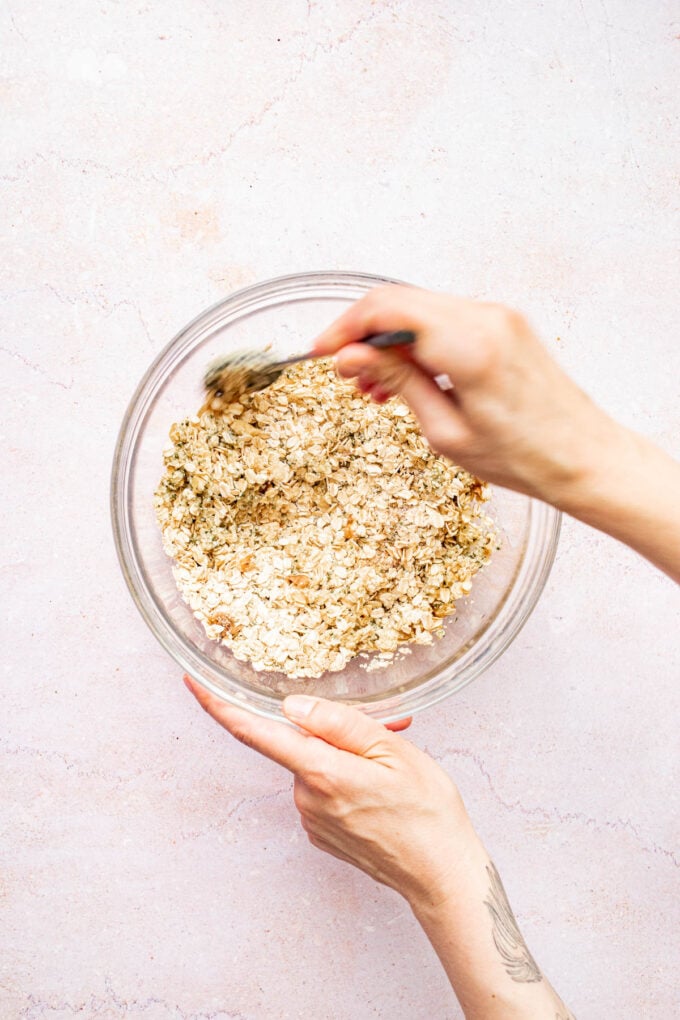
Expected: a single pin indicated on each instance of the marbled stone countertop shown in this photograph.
(154, 157)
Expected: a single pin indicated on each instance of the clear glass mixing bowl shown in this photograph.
(291, 311)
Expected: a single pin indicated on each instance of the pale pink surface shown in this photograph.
(155, 157)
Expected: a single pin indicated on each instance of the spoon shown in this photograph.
(233, 375)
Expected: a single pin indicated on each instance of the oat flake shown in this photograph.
(308, 524)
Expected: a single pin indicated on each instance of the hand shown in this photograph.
(369, 797)
(365, 795)
(513, 417)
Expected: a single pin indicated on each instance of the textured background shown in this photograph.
(156, 156)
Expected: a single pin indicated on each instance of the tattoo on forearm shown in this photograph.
(517, 960)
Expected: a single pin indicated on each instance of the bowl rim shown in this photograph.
(518, 604)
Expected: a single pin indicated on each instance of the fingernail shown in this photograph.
(298, 706)
(187, 683)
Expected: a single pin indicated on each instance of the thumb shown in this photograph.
(340, 725)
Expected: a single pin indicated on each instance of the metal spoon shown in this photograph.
(233, 375)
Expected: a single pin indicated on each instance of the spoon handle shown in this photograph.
(378, 340)
(382, 340)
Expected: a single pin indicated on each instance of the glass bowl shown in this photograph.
(292, 310)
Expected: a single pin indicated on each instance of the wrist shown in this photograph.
(581, 445)
(446, 876)
(607, 461)
(473, 931)
(627, 487)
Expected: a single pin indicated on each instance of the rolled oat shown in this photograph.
(308, 524)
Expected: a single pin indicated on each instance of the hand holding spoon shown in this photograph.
(233, 375)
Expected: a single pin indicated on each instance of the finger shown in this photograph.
(366, 364)
(438, 415)
(399, 724)
(380, 395)
(340, 725)
(275, 740)
(374, 390)
(381, 310)
(365, 384)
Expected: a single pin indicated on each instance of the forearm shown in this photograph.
(475, 935)
(630, 489)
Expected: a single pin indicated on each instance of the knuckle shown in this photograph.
(514, 321)
(377, 301)
(378, 296)
(331, 721)
(332, 716)
(319, 781)
(301, 797)
(392, 371)
(489, 338)
(504, 321)
(243, 737)
(323, 779)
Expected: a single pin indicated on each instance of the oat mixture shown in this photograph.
(227, 379)
(309, 524)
